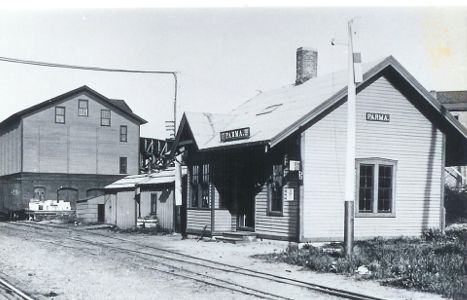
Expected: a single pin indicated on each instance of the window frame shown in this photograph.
(109, 118)
(79, 107)
(376, 162)
(125, 135)
(201, 187)
(271, 212)
(64, 114)
(154, 203)
(121, 159)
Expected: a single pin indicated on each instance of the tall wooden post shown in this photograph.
(349, 195)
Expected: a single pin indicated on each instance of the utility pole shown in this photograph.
(350, 180)
(177, 164)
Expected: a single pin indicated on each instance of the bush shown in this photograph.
(431, 263)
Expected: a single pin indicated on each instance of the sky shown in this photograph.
(224, 55)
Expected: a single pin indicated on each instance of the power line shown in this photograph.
(75, 67)
(98, 69)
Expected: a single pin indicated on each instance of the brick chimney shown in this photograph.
(307, 64)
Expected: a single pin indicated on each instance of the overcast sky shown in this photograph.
(225, 56)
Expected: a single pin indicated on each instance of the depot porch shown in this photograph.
(243, 189)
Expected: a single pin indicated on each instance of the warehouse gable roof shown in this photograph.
(118, 105)
(272, 116)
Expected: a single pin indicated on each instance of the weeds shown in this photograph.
(145, 230)
(431, 263)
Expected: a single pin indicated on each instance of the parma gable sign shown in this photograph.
(235, 134)
(379, 117)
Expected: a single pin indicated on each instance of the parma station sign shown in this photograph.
(235, 134)
(379, 117)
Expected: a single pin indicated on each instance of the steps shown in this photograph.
(236, 237)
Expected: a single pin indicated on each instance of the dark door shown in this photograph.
(243, 186)
(100, 213)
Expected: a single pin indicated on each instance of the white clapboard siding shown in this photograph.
(10, 149)
(409, 138)
(197, 219)
(110, 208)
(165, 206)
(281, 226)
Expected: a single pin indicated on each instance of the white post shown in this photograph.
(349, 195)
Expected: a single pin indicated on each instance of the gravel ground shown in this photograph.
(58, 269)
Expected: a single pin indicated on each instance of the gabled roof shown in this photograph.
(453, 100)
(118, 105)
(272, 116)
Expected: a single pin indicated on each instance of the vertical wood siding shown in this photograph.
(165, 206)
(10, 149)
(126, 209)
(110, 208)
(409, 138)
(197, 219)
(81, 145)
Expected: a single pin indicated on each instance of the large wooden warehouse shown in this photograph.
(68, 148)
(275, 165)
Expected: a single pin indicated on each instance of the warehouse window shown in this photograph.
(39, 193)
(83, 110)
(60, 114)
(275, 191)
(375, 191)
(123, 133)
(153, 203)
(199, 183)
(105, 117)
(123, 165)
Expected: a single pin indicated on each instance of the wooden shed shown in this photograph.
(274, 166)
(143, 197)
(91, 210)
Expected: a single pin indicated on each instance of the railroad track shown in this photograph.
(171, 260)
(9, 291)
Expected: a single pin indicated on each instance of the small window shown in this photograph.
(105, 117)
(83, 110)
(205, 186)
(375, 192)
(123, 165)
(154, 203)
(275, 191)
(194, 186)
(123, 133)
(39, 193)
(60, 114)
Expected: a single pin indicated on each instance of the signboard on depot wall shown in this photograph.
(378, 117)
(235, 134)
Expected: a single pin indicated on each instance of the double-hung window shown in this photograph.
(199, 183)
(83, 108)
(375, 187)
(60, 114)
(123, 165)
(275, 191)
(123, 133)
(105, 117)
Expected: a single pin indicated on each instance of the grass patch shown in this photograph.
(431, 263)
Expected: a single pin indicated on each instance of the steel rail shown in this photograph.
(14, 290)
(234, 269)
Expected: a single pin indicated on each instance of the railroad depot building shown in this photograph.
(69, 147)
(275, 165)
